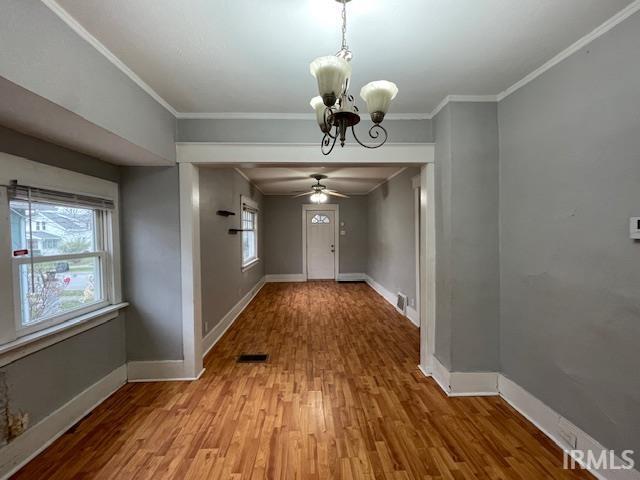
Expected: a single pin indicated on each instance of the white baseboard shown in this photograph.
(22, 449)
(158, 371)
(216, 332)
(560, 430)
(352, 277)
(462, 384)
(473, 384)
(412, 314)
(285, 277)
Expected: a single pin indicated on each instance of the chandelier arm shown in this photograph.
(374, 132)
(326, 140)
(328, 119)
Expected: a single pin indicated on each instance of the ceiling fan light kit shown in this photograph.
(335, 107)
(319, 193)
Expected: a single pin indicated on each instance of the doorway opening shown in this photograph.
(254, 156)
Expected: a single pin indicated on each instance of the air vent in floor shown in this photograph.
(253, 358)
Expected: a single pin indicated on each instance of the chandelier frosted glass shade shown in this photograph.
(331, 73)
(378, 96)
(318, 105)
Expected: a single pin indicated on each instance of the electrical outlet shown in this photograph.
(206, 326)
(18, 423)
(412, 302)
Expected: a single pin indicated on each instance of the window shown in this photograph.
(249, 226)
(64, 270)
(317, 218)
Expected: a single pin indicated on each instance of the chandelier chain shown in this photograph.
(344, 25)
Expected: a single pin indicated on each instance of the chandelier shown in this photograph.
(335, 108)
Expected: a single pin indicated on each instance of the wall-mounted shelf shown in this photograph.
(234, 231)
(225, 213)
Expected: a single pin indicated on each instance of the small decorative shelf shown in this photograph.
(234, 231)
(225, 213)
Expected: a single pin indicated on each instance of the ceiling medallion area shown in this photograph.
(335, 108)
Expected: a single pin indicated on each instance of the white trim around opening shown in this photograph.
(191, 155)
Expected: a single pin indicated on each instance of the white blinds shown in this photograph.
(34, 194)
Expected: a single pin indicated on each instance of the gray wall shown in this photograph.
(223, 281)
(301, 131)
(283, 234)
(42, 382)
(150, 233)
(570, 284)
(444, 322)
(37, 150)
(467, 266)
(391, 253)
(42, 54)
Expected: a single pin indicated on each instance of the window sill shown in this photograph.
(31, 343)
(250, 265)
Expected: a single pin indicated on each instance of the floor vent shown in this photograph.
(253, 358)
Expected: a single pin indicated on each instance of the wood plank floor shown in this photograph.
(340, 397)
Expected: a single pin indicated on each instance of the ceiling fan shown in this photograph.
(319, 192)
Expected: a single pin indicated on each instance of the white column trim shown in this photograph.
(190, 271)
(427, 264)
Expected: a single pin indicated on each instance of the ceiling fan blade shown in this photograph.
(335, 194)
(302, 194)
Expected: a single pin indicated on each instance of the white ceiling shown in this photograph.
(253, 55)
(348, 180)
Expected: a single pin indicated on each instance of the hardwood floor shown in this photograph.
(340, 397)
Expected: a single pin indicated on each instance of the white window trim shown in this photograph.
(39, 175)
(244, 200)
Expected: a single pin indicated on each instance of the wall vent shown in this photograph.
(401, 303)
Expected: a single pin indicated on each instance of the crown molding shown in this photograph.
(246, 177)
(573, 48)
(108, 54)
(461, 98)
(582, 42)
(393, 175)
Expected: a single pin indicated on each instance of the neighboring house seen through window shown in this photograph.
(59, 273)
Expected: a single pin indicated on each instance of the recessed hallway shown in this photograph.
(340, 397)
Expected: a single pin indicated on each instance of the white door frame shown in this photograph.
(191, 155)
(415, 183)
(314, 207)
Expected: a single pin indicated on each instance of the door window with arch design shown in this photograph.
(319, 218)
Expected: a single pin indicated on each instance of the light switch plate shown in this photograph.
(634, 228)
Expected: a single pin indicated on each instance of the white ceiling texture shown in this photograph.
(348, 180)
(252, 56)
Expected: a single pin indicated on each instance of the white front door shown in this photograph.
(320, 244)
